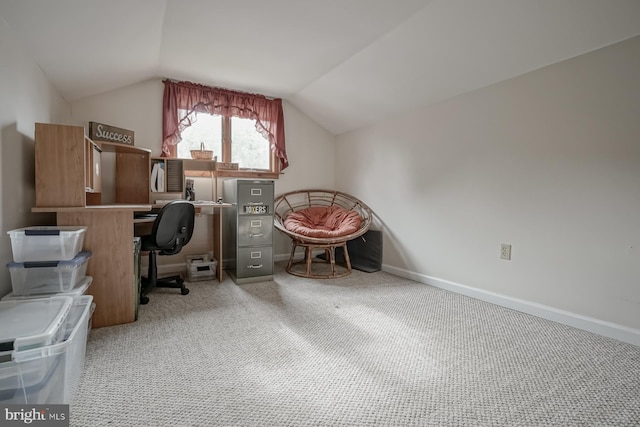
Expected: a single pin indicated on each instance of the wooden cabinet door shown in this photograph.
(132, 177)
(59, 165)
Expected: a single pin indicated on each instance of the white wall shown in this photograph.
(548, 162)
(26, 97)
(310, 148)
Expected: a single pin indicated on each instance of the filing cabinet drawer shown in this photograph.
(253, 262)
(255, 230)
(255, 194)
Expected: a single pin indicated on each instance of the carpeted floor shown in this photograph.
(370, 349)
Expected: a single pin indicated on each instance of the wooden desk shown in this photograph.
(109, 237)
(215, 209)
(202, 208)
(69, 180)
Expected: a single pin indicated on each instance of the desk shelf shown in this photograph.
(68, 168)
(171, 185)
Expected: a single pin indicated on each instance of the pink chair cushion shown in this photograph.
(323, 222)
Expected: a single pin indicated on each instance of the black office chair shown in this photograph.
(172, 229)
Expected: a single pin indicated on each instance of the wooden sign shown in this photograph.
(106, 133)
(226, 166)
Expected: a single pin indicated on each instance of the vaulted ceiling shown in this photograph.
(345, 63)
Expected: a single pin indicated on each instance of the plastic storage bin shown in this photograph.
(48, 277)
(42, 243)
(78, 327)
(199, 267)
(32, 323)
(49, 374)
(79, 290)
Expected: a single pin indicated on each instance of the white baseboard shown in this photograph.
(165, 269)
(607, 329)
(281, 257)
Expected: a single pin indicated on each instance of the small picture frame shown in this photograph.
(189, 192)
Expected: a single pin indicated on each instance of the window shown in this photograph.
(231, 139)
(238, 127)
(205, 129)
(248, 148)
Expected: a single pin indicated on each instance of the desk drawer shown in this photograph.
(255, 230)
(253, 262)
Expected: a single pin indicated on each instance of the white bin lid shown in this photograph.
(45, 230)
(79, 259)
(32, 323)
(80, 289)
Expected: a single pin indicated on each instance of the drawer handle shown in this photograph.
(255, 266)
(256, 235)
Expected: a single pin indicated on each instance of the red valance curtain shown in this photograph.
(193, 97)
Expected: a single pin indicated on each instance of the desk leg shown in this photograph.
(217, 242)
(109, 237)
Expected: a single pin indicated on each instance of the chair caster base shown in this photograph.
(175, 282)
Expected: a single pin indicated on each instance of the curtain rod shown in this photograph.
(270, 98)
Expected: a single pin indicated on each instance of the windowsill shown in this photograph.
(248, 174)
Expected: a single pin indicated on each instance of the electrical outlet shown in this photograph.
(505, 251)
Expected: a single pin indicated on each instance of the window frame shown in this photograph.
(274, 165)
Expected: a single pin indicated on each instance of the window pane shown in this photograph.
(207, 129)
(248, 147)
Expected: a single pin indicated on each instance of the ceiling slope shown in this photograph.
(345, 63)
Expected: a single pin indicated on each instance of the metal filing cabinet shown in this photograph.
(248, 248)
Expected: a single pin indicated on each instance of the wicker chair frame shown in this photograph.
(294, 201)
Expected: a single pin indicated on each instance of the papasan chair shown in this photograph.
(320, 219)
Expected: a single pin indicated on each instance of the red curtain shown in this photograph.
(194, 97)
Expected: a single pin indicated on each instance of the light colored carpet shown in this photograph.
(370, 349)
